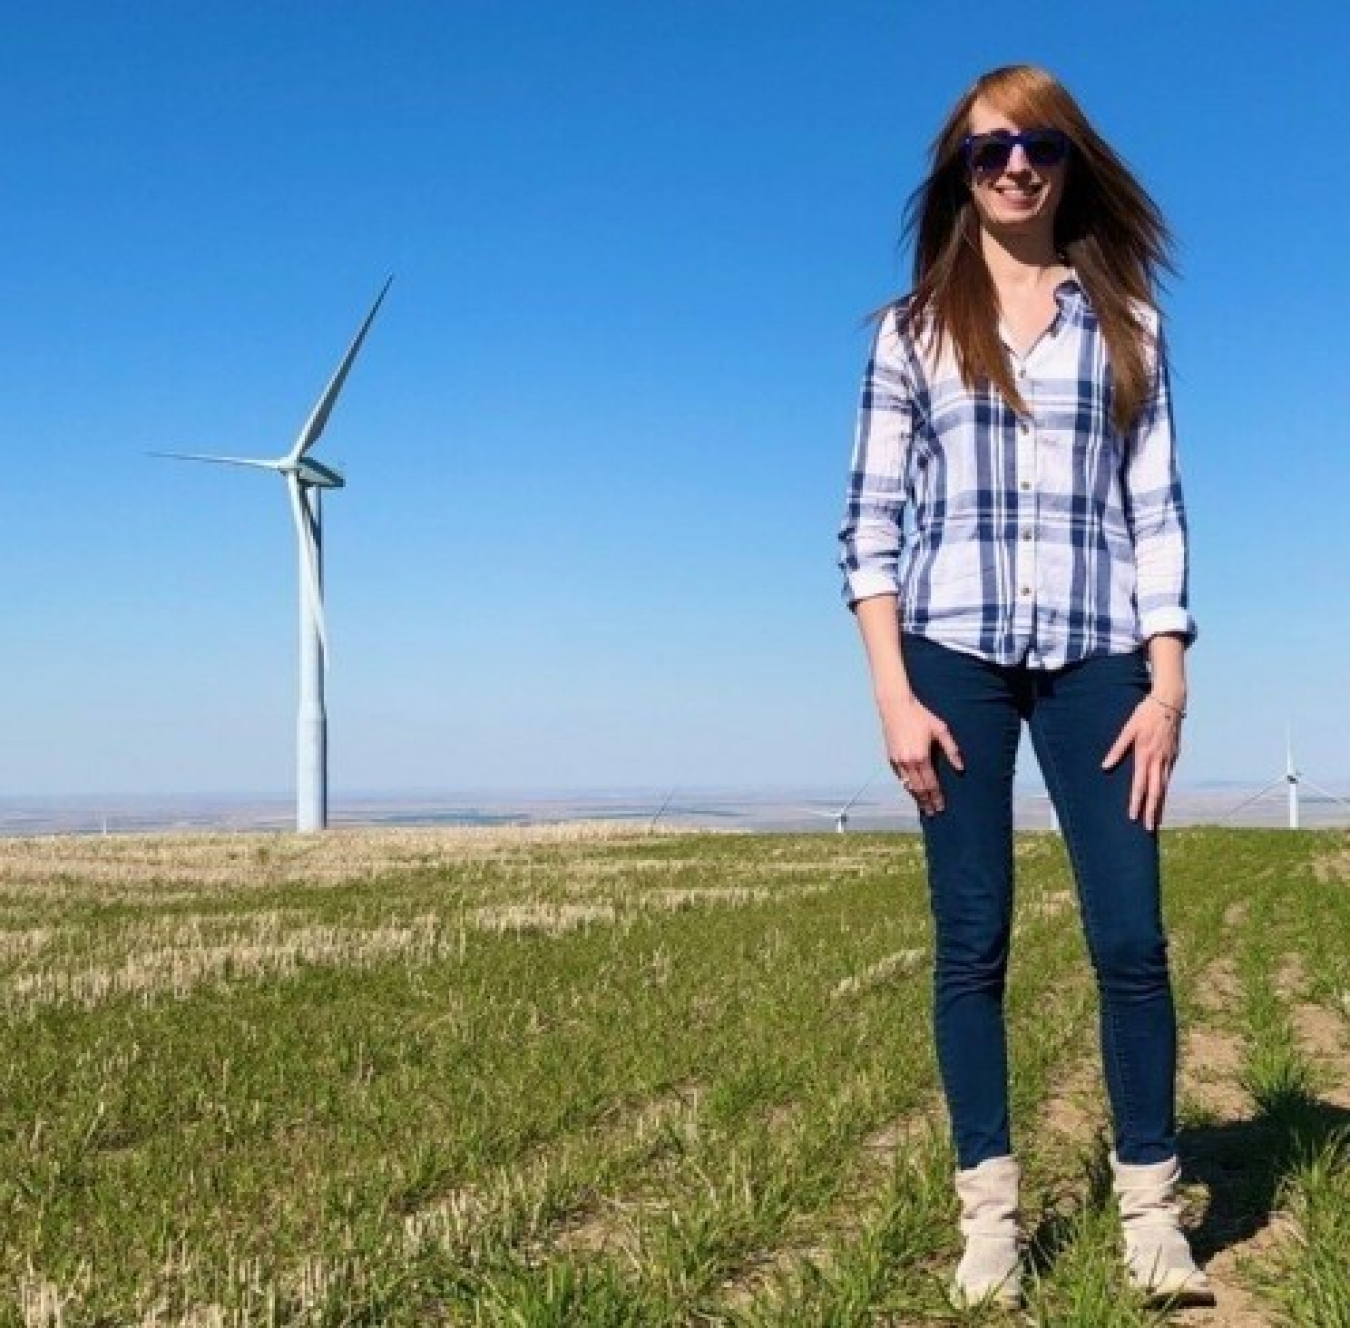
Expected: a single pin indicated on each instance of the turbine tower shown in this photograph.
(1291, 777)
(306, 479)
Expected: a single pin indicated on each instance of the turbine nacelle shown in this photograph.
(311, 472)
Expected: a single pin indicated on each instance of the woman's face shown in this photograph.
(1021, 198)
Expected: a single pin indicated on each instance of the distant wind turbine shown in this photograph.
(1290, 781)
(840, 816)
(660, 811)
(306, 479)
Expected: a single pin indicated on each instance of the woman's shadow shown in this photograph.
(1244, 1164)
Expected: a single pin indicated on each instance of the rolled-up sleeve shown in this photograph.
(1157, 515)
(870, 537)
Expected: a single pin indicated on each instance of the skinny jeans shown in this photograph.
(1075, 715)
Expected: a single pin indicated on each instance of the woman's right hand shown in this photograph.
(911, 731)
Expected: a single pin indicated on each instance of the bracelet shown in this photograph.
(1168, 706)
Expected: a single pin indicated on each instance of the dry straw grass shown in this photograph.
(183, 960)
(884, 970)
(542, 916)
(241, 861)
(1333, 866)
(525, 888)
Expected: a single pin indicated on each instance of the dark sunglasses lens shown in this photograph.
(989, 156)
(1046, 149)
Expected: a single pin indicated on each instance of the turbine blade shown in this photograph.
(218, 460)
(1256, 797)
(310, 589)
(861, 791)
(1326, 793)
(314, 426)
(660, 811)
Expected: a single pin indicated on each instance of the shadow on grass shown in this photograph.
(1244, 1163)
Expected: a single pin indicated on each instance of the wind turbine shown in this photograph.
(306, 479)
(660, 811)
(1291, 780)
(840, 817)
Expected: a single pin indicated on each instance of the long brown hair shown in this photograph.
(1107, 228)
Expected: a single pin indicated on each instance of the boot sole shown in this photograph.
(1186, 1298)
(999, 1298)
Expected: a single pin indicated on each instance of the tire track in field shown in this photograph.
(1075, 1115)
(630, 1217)
(509, 1203)
(1059, 1141)
(605, 1220)
(1061, 1144)
(763, 1274)
(904, 1141)
(1073, 1125)
(622, 1221)
(1321, 1033)
(1228, 1224)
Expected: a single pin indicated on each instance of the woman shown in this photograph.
(1015, 550)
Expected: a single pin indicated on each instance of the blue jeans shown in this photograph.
(1075, 714)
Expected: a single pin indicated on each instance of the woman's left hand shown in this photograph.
(1154, 731)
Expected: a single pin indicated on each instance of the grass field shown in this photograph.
(579, 1077)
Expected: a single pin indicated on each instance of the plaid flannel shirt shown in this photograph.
(1037, 539)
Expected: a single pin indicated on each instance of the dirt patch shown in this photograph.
(1217, 989)
(1321, 1033)
(1210, 1074)
(1225, 1222)
(1322, 1036)
(1291, 978)
(886, 1140)
(1333, 867)
(609, 1225)
(1236, 1307)
(1076, 1108)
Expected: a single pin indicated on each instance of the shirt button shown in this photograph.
(1026, 534)
(1026, 590)
(1021, 373)
(1024, 427)
(1025, 485)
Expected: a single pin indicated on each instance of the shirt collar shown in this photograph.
(1069, 286)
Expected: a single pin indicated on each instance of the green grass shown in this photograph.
(600, 1079)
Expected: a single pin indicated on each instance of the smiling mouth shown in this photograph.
(1021, 193)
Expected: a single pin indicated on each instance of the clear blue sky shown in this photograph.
(596, 444)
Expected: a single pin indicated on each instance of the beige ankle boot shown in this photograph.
(1157, 1256)
(989, 1271)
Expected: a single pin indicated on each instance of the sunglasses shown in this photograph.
(989, 154)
